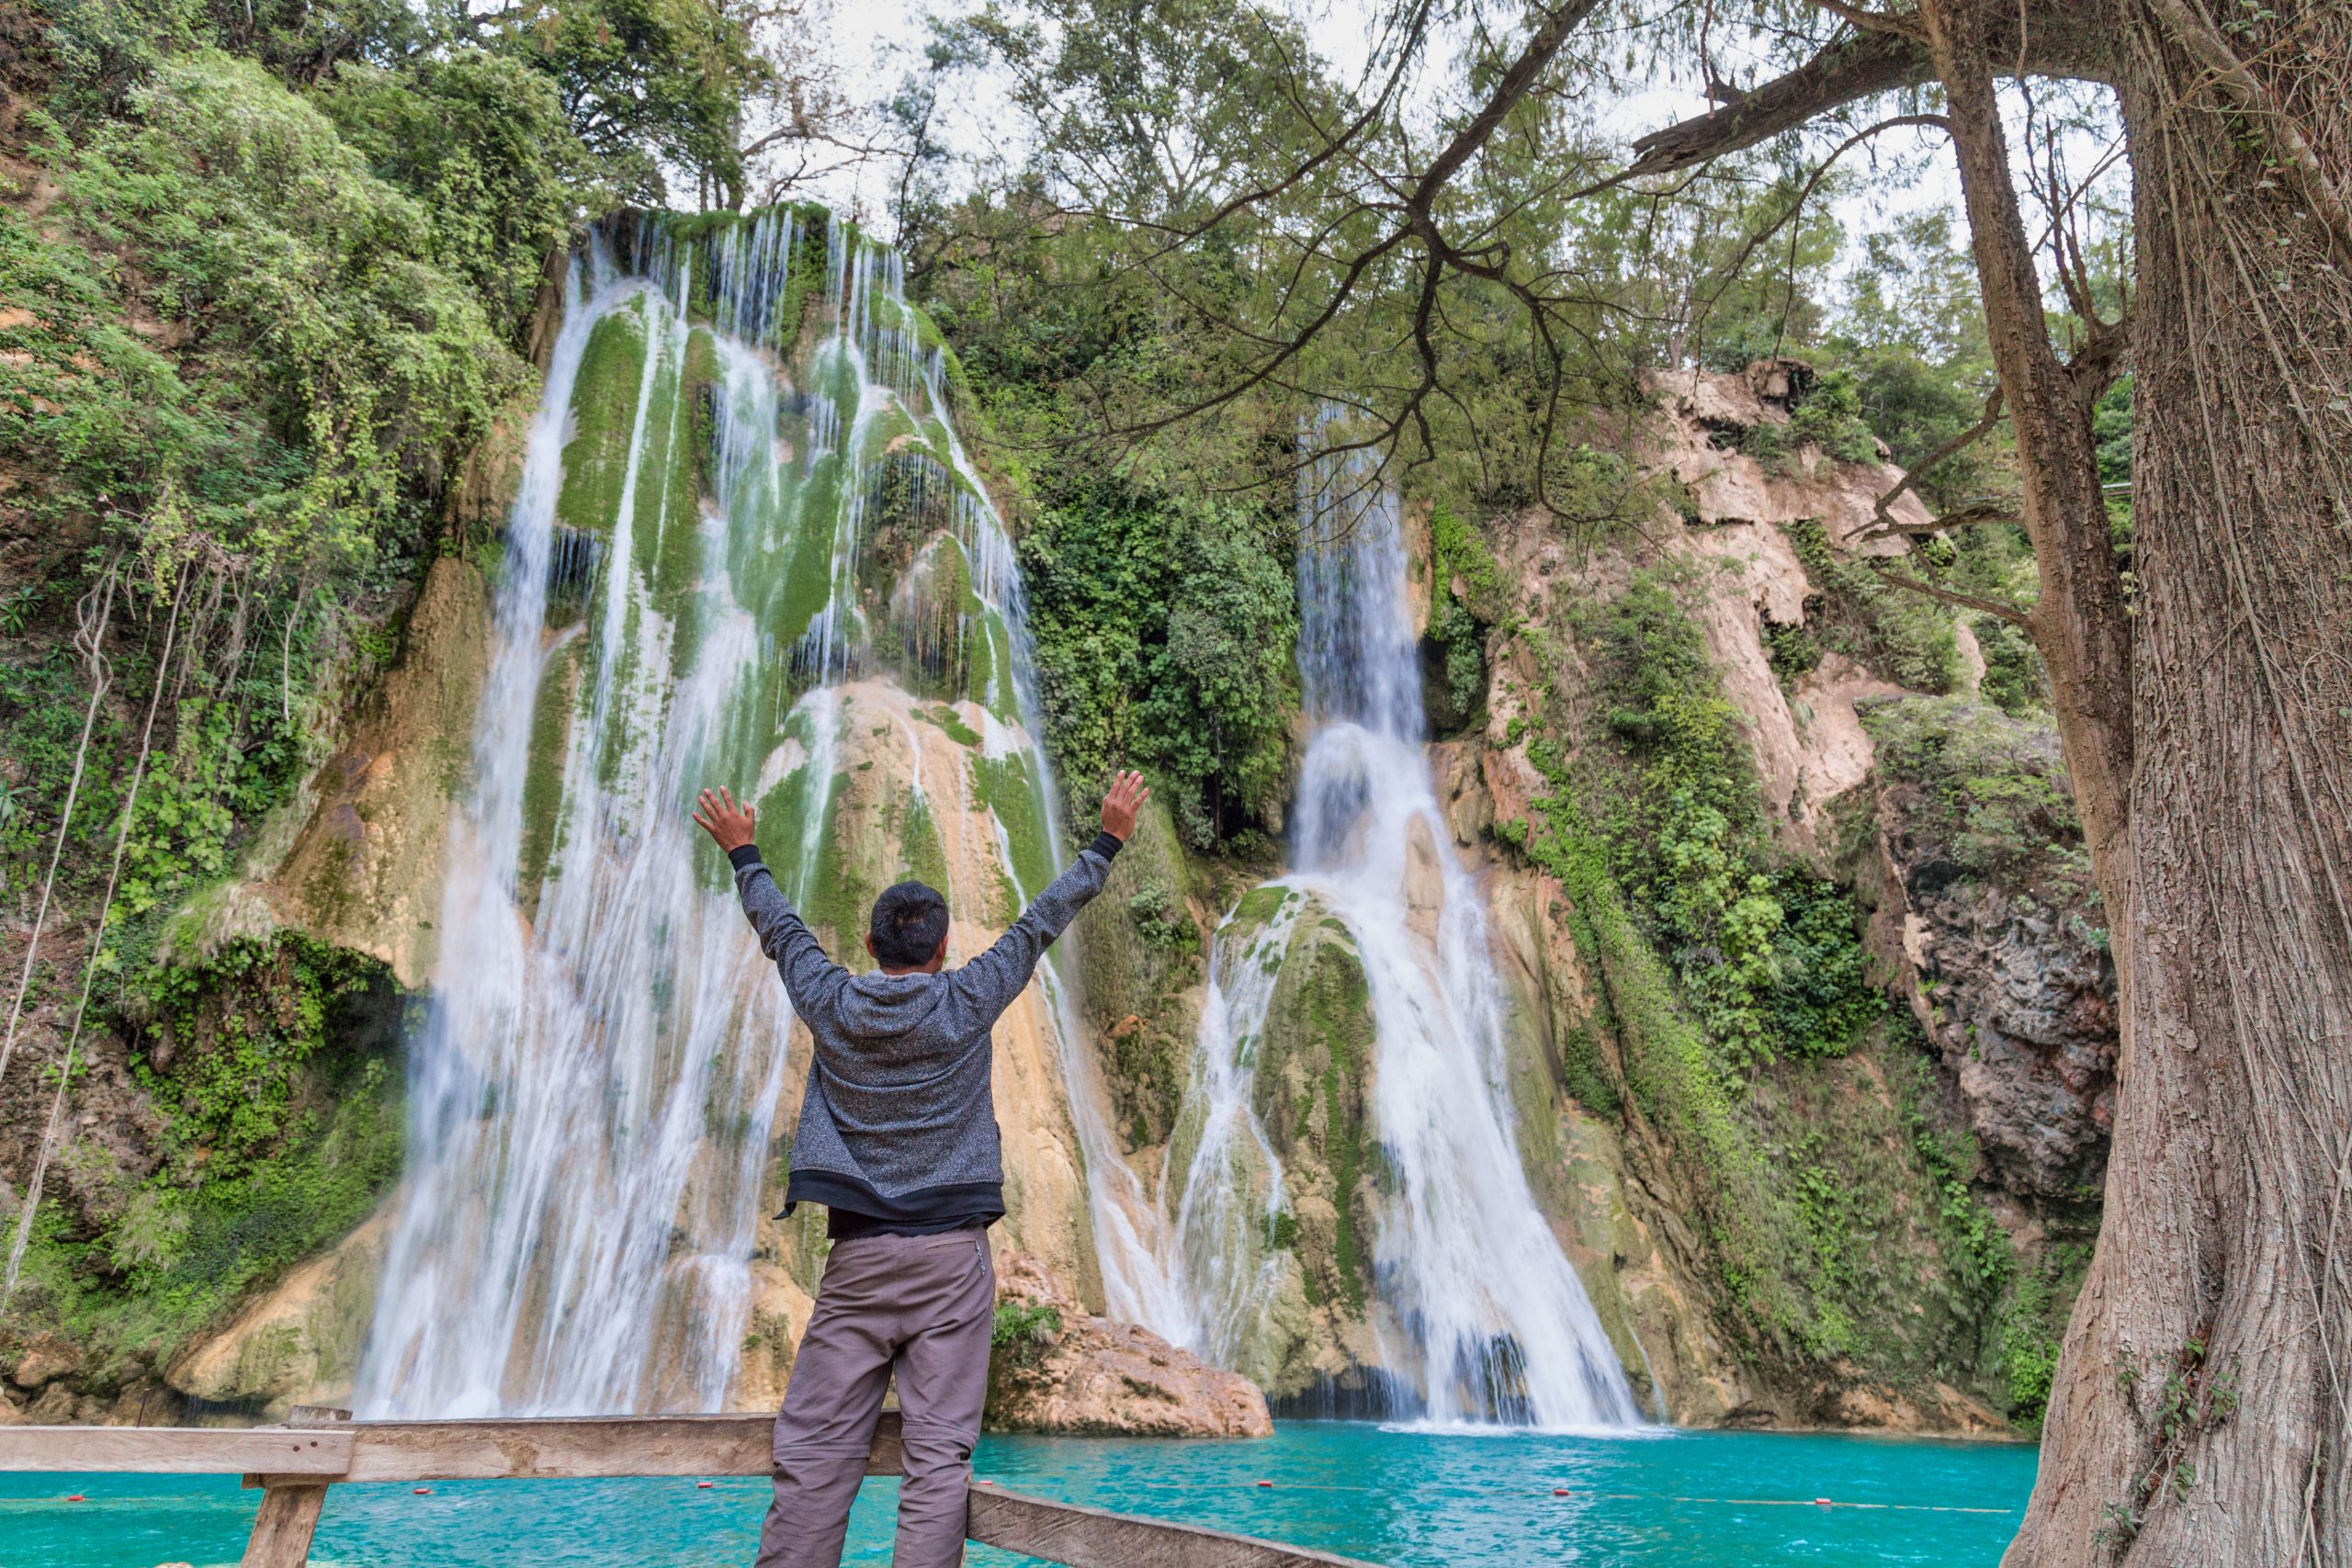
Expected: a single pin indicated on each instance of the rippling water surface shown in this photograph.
(1684, 1499)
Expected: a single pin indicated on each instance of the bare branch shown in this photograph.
(1882, 519)
(1993, 607)
(1855, 67)
(1859, 66)
(1968, 514)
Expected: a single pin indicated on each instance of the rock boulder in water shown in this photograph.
(1059, 1369)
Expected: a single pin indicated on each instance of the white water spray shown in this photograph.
(1480, 1315)
(591, 1104)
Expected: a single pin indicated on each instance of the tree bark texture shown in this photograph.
(2203, 1409)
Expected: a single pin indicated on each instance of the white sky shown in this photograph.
(878, 43)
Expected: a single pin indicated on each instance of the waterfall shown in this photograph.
(743, 434)
(1229, 1194)
(1478, 1317)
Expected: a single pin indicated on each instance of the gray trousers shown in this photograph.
(921, 1306)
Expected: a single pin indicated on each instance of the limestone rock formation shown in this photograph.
(1990, 907)
(366, 870)
(298, 1343)
(1059, 1369)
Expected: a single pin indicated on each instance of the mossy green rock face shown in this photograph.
(365, 872)
(1307, 1058)
(1142, 960)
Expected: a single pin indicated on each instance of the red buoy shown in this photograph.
(1821, 1502)
(703, 1485)
(1265, 1484)
(425, 1491)
(987, 1483)
(75, 1498)
(1559, 1490)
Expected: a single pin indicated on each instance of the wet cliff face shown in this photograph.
(1809, 1199)
(1851, 1201)
(763, 565)
(1810, 1027)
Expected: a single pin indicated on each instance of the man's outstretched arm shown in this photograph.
(784, 936)
(990, 981)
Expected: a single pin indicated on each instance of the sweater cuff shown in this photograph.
(743, 857)
(1105, 845)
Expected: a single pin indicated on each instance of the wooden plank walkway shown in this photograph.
(295, 1463)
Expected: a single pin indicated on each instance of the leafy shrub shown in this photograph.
(1829, 415)
(1025, 1328)
(483, 143)
(1768, 956)
(324, 311)
(1902, 634)
(1164, 629)
(1991, 786)
(2015, 681)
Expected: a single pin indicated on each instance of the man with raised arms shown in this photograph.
(898, 1139)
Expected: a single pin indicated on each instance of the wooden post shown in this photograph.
(289, 1509)
(289, 1513)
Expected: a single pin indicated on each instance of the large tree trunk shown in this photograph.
(2080, 623)
(2203, 1411)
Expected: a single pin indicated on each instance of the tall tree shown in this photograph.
(2204, 1393)
(2205, 1390)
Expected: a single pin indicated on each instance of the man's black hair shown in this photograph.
(910, 923)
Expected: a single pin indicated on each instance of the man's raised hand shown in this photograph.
(1129, 792)
(731, 824)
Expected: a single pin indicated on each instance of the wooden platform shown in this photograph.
(294, 1465)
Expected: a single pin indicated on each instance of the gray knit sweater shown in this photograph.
(899, 1123)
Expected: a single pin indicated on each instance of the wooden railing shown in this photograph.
(295, 1463)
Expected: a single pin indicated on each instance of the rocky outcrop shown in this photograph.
(1986, 904)
(2019, 998)
(297, 1343)
(365, 872)
(1059, 1369)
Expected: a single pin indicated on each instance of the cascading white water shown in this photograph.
(593, 1100)
(1229, 1192)
(1498, 1324)
(1479, 1316)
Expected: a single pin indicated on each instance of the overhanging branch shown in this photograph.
(2056, 44)
(1855, 68)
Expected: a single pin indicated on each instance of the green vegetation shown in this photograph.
(1164, 629)
(1004, 787)
(1827, 413)
(276, 1064)
(1025, 1326)
(1747, 1031)
(1467, 600)
(1896, 631)
(1991, 786)
(1768, 954)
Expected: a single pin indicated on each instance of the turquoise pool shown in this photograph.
(1423, 1499)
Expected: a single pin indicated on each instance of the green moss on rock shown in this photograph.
(551, 716)
(1313, 1089)
(279, 1063)
(604, 413)
(1140, 957)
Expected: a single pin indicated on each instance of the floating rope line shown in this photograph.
(1578, 1493)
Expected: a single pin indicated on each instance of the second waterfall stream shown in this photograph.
(1476, 1314)
(748, 548)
